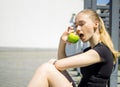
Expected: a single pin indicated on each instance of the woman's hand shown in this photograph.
(52, 61)
(66, 33)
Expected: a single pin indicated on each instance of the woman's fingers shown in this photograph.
(70, 30)
(66, 33)
(52, 61)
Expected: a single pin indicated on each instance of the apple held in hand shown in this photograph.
(73, 38)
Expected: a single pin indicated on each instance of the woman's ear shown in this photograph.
(96, 25)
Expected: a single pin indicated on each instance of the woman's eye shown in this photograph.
(81, 24)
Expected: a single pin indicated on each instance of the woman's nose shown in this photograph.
(78, 29)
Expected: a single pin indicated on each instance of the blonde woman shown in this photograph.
(96, 62)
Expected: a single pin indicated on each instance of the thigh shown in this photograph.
(56, 78)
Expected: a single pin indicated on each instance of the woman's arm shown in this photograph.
(61, 49)
(88, 58)
(63, 42)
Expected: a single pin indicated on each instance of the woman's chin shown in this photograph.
(84, 40)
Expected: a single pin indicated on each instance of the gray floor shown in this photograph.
(18, 66)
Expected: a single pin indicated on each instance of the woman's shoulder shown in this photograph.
(96, 46)
(102, 48)
(103, 51)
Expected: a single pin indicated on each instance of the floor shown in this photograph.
(18, 66)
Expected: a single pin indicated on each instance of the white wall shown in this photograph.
(35, 23)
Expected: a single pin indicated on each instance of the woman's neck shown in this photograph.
(95, 39)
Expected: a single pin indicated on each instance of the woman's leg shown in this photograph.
(48, 76)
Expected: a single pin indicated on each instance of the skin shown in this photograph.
(49, 75)
(88, 28)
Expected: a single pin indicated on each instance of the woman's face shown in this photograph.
(84, 27)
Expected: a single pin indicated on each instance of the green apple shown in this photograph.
(73, 38)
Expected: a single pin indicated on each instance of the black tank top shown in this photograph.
(97, 75)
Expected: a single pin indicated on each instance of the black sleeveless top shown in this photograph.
(97, 75)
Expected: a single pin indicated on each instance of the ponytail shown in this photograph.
(105, 38)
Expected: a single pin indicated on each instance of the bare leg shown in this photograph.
(48, 76)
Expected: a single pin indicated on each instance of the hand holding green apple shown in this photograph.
(73, 38)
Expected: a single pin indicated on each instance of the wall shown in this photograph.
(35, 23)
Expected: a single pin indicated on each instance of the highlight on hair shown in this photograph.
(104, 35)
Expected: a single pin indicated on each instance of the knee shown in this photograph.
(46, 68)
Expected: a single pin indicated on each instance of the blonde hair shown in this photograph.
(104, 36)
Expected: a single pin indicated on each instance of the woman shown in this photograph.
(96, 62)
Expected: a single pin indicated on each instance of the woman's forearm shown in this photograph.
(61, 49)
